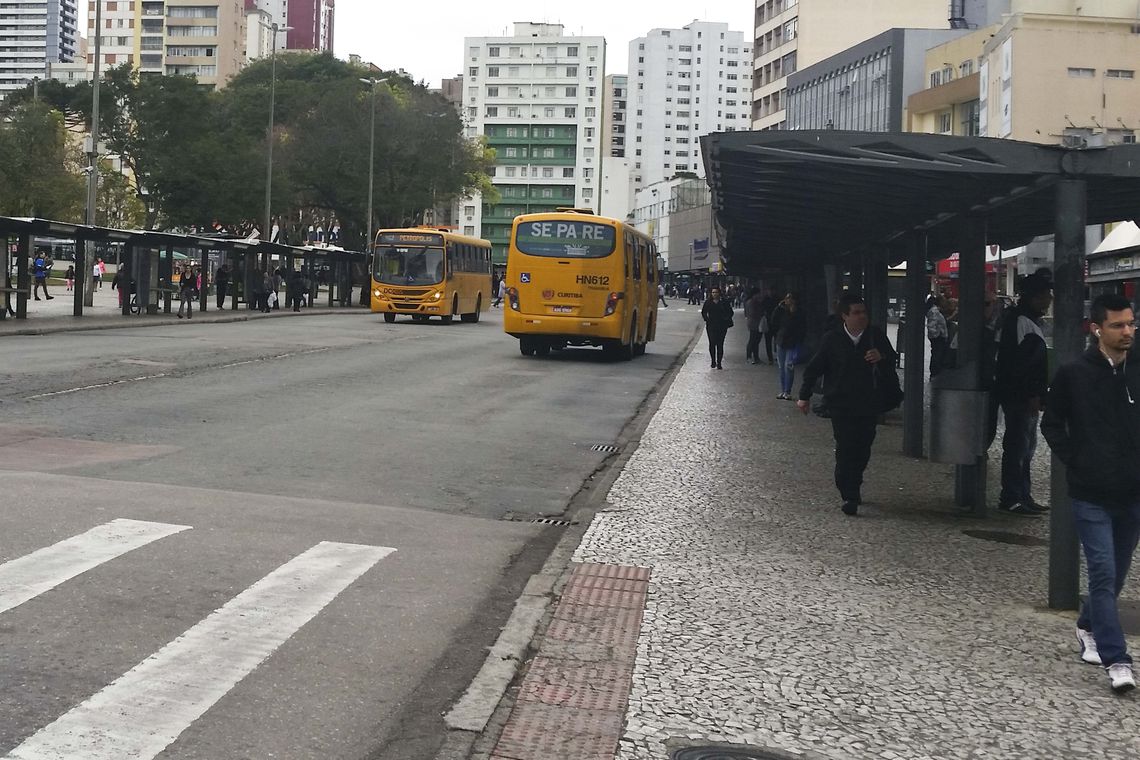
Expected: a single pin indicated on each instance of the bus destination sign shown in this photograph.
(409, 238)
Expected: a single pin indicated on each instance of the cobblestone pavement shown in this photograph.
(774, 621)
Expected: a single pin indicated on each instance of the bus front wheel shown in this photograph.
(526, 346)
(389, 317)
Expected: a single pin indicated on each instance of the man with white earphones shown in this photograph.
(1092, 423)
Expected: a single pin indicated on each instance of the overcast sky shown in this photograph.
(425, 37)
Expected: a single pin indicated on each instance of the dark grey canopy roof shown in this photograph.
(784, 200)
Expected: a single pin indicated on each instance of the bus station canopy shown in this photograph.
(787, 200)
(47, 228)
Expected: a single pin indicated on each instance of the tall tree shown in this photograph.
(39, 165)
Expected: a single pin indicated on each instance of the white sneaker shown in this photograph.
(1088, 647)
(1120, 676)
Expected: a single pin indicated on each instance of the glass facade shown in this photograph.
(855, 96)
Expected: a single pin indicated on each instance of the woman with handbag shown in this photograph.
(790, 326)
(857, 362)
(717, 314)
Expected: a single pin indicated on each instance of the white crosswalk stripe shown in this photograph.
(147, 708)
(29, 576)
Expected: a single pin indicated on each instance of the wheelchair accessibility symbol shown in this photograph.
(524, 276)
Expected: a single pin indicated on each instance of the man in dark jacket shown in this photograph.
(1021, 379)
(853, 361)
(717, 313)
(1093, 426)
(222, 283)
(767, 310)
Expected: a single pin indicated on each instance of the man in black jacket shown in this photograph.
(1021, 379)
(852, 360)
(1093, 426)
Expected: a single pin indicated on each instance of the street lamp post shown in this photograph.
(371, 82)
(268, 233)
(86, 277)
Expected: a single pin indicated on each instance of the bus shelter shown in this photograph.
(804, 206)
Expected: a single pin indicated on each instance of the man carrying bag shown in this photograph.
(857, 362)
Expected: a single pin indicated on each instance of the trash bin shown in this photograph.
(957, 417)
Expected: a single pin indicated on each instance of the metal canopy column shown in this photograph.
(166, 276)
(127, 273)
(1068, 344)
(6, 268)
(204, 268)
(23, 281)
(914, 338)
(877, 286)
(81, 267)
(970, 480)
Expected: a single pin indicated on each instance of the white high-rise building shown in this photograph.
(684, 83)
(34, 34)
(260, 14)
(537, 98)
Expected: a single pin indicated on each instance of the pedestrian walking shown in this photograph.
(69, 276)
(1092, 424)
(267, 292)
(295, 289)
(221, 283)
(717, 314)
(860, 383)
(187, 292)
(41, 266)
(501, 293)
(661, 295)
(753, 316)
(1020, 382)
(791, 328)
(938, 333)
(96, 274)
(768, 308)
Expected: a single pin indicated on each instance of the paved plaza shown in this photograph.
(774, 621)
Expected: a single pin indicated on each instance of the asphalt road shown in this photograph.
(279, 538)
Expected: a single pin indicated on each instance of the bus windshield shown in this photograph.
(566, 239)
(403, 265)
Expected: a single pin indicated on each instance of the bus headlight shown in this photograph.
(376, 293)
(436, 295)
(612, 302)
(513, 298)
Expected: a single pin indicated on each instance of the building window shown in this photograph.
(492, 71)
(572, 51)
(492, 92)
(944, 123)
(571, 71)
(511, 171)
(1120, 73)
(568, 172)
(493, 52)
(548, 112)
(571, 112)
(492, 111)
(571, 92)
(511, 152)
(1081, 73)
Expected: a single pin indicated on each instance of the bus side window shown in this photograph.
(653, 273)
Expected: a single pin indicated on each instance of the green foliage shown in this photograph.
(40, 167)
(198, 157)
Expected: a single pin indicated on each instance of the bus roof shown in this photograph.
(448, 234)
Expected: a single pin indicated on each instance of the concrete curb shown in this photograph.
(146, 322)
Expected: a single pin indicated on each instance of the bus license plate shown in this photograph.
(563, 309)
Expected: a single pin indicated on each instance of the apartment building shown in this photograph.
(204, 38)
(793, 34)
(34, 34)
(312, 23)
(684, 83)
(614, 121)
(537, 97)
(1052, 72)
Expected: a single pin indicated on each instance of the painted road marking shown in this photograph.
(42, 570)
(146, 709)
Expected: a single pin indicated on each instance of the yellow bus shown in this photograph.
(430, 272)
(578, 279)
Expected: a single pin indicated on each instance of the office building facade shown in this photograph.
(793, 34)
(865, 87)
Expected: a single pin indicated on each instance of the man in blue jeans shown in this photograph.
(1092, 424)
